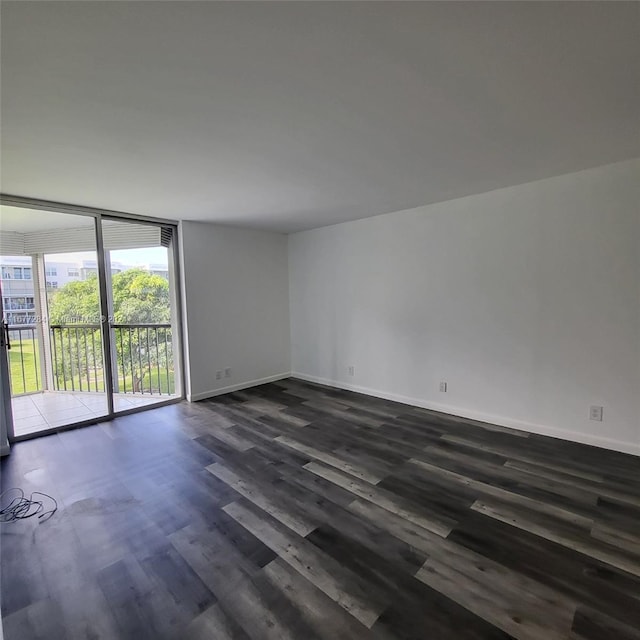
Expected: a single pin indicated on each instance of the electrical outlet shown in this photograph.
(218, 374)
(227, 372)
(443, 387)
(595, 413)
(352, 370)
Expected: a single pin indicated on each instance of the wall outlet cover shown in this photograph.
(595, 413)
(443, 387)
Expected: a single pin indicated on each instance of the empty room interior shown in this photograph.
(320, 320)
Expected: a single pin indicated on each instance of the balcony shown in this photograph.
(57, 376)
(66, 279)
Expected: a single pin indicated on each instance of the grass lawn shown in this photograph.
(164, 385)
(26, 356)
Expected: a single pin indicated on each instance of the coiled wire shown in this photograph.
(20, 507)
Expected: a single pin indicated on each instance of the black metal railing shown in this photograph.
(25, 371)
(76, 357)
(143, 361)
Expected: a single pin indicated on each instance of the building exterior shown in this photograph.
(18, 298)
(18, 284)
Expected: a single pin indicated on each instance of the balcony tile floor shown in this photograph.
(40, 411)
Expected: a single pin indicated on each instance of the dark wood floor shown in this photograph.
(293, 511)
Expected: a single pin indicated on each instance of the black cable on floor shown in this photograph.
(21, 507)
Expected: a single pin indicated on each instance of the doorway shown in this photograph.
(89, 317)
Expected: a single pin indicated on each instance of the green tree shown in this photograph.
(77, 302)
(143, 353)
(140, 297)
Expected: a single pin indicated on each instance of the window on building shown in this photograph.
(16, 273)
(51, 272)
(51, 284)
(18, 303)
(73, 273)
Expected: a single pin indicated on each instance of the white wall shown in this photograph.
(235, 289)
(526, 300)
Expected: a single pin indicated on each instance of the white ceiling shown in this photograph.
(296, 115)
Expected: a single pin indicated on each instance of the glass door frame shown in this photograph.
(6, 409)
(174, 263)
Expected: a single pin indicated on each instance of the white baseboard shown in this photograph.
(237, 387)
(503, 421)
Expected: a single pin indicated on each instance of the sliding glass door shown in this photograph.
(141, 294)
(89, 317)
(51, 311)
